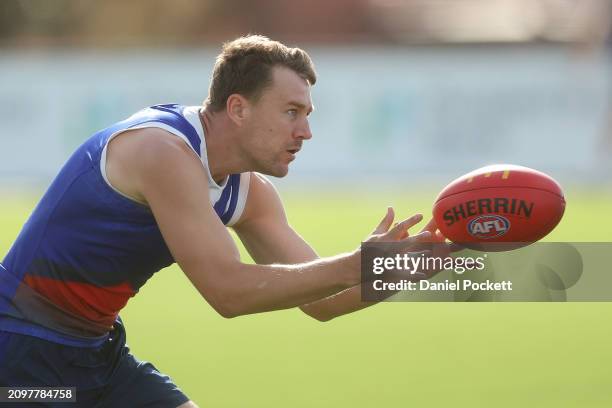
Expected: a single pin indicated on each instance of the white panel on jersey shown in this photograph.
(215, 190)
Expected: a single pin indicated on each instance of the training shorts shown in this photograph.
(104, 376)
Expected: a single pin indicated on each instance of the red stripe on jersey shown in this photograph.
(97, 304)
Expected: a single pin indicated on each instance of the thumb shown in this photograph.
(386, 222)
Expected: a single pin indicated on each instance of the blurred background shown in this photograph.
(408, 89)
(411, 94)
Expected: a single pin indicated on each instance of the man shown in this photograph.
(161, 187)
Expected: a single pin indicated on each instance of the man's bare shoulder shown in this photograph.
(136, 156)
(261, 184)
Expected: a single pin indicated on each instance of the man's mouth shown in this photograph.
(294, 151)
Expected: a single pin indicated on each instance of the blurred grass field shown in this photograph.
(390, 355)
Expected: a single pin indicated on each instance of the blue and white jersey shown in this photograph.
(87, 248)
(229, 198)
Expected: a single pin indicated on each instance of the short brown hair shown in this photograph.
(245, 65)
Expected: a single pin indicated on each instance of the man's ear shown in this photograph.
(238, 108)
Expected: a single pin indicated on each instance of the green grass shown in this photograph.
(390, 355)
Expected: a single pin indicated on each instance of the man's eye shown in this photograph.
(292, 112)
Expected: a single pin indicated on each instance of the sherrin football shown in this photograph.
(502, 203)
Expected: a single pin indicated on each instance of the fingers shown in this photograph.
(386, 222)
(432, 227)
(399, 231)
(403, 234)
(421, 237)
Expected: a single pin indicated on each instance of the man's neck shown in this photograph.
(221, 146)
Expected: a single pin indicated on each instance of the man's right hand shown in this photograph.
(399, 232)
(429, 241)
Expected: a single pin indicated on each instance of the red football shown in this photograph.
(502, 203)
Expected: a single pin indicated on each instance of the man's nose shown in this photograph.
(303, 132)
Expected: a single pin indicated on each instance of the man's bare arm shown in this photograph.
(168, 176)
(269, 238)
(350, 300)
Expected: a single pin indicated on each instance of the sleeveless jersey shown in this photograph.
(86, 248)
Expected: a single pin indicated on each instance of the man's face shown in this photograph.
(278, 123)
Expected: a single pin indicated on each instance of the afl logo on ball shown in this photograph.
(488, 226)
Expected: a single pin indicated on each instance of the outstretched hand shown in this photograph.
(387, 232)
(429, 241)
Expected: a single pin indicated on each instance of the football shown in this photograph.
(499, 207)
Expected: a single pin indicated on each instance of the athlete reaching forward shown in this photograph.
(161, 187)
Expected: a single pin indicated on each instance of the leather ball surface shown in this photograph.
(501, 203)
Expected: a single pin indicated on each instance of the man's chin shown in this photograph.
(278, 172)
